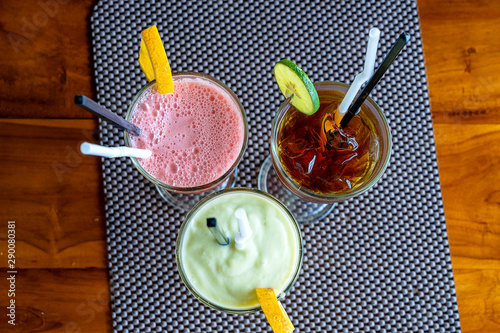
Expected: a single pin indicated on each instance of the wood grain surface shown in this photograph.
(462, 55)
(56, 196)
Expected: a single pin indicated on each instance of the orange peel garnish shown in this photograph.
(154, 62)
(145, 62)
(275, 314)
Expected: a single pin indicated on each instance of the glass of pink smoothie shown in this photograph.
(197, 135)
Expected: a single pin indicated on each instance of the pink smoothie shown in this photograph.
(195, 134)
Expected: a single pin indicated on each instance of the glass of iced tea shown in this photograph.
(319, 163)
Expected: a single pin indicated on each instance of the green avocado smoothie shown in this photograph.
(224, 277)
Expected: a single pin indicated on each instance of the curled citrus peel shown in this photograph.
(154, 61)
(275, 314)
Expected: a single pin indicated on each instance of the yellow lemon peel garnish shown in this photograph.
(154, 61)
(275, 314)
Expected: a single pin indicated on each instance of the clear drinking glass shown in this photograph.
(309, 206)
(186, 197)
(194, 222)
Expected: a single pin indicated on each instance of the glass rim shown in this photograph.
(187, 220)
(305, 194)
(225, 175)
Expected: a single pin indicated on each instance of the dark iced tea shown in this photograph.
(322, 158)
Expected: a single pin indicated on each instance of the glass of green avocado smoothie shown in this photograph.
(225, 277)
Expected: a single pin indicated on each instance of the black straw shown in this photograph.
(100, 111)
(217, 231)
(393, 53)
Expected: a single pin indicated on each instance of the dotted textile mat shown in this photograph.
(378, 263)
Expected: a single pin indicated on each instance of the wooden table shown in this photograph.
(56, 196)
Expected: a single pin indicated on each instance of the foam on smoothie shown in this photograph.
(195, 134)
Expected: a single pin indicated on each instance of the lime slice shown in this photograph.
(294, 82)
(156, 61)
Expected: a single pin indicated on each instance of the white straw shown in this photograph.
(371, 52)
(245, 231)
(92, 149)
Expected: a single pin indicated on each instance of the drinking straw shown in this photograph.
(245, 231)
(217, 231)
(100, 111)
(92, 149)
(393, 53)
(371, 52)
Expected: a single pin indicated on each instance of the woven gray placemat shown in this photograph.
(379, 262)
